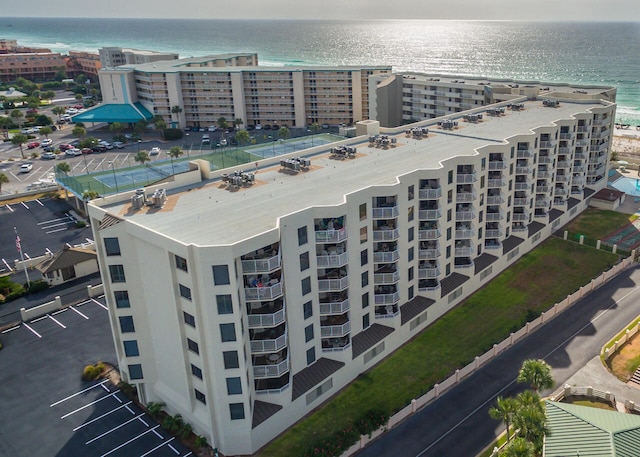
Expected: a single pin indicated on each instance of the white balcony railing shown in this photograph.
(463, 252)
(335, 330)
(386, 213)
(387, 299)
(266, 320)
(263, 293)
(430, 194)
(386, 257)
(428, 254)
(428, 273)
(465, 197)
(270, 345)
(271, 371)
(433, 234)
(332, 260)
(429, 214)
(331, 236)
(386, 278)
(335, 307)
(333, 284)
(261, 265)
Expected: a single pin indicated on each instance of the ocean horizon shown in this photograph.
(591, 53)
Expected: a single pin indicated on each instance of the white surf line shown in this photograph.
(24, 204)
(114, 429)
(158, 446)
(32, 330)
(73, 309)
(38, 202)
(89, 404)
(56, 321)
(78, 393)
(11, 329)
(9, 208)
(100, 417)
(97, 302)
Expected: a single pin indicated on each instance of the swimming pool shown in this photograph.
(630, 186)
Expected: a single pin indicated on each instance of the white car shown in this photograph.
(26, 167)
(212, 128)
(106, 144)
(154, 151)
(73, 152)
(46, 142)
(223, 142)
(206, 139)
(71, 111)
(118, 144)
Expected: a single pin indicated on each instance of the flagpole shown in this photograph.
(19, 246)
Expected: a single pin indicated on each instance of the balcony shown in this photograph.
(564, 164)
(493, 233)
(385, 312)
(465, 197)
(333, 284)
(267, 315)
(261, 265)
(341, 330)
(386, 213)
(494, 217)
(496, 182)
(584, 129)
(566, 136)
(495, 200)
(463, 262)
(524, 153)
(565, 150)
(497, 165)
(386, 298)
(547, 144)
(273, 370)
(520, 202)
(580, 156)
(331, 236)
(332, 260)
(522, 185)
(543, 189)
(388, 234)
(545, 175)
(579, 169)
(464, 233)
(519, 227)
(268, 342)
(429, 214)
(264, 293)
(336, 344)
(428, 254)
(430, 194)
(428, 271)
(521, 217)
(524, 170)
(463, 251)
(599, 147)
(337, 305)
(382, 278)
(386, 257)
(545, 159)
(465, 215)
(432, 234)
(492, 244)
(563, 178)
(542, 202)
(428, 285)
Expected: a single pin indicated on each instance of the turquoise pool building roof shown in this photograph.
(124, 113)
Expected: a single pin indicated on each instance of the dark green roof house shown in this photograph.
(590, 432)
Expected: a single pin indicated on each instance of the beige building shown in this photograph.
(115, 56)
(36, 66)
(235, 87)
(67, 264)
(84, 62)
(245, 301)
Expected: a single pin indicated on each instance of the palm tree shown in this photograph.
(3, 180)
(504, 410)
(18, 140)
(48, 95)
(46, 131)
(79, 131)
(176, 109)
(242, 137)
(116, 128)
(531, 422)
(537, 373)
(519, 447)
(58, 111)
(17, 115)
(64, 167)
(174, 153)
(284, 133)
(222, 123)
(160, 124)
(237, 121)
(140, 128)
(143, 157)
(5, 123)
(88, 195)
(315, 128)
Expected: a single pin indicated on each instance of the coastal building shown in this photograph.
(35, 66)
(244, 301)
(113, 56)
(234, 86)
(87, 63)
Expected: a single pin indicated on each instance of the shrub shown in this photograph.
(154, 408)
(172, 134)
(92, 372)
(200, 441)
(81, 224)
(37, 286)
(127, 389)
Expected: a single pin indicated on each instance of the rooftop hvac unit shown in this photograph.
(159, 197)
(137, 201)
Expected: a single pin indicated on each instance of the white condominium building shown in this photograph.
(245, 301)
(113, 56)
(233, 86)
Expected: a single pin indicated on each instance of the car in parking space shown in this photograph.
(72, 152)
(154, 151)
(48, 156)
(86, 151)
(64, 146)
(26, 167)
(99, 148)
(223, 142)
(206, 139)
(258, 127)
(118, 144)
(212, 128)
(325, 126)
(33, 145)
(49, 148)
(46, 142)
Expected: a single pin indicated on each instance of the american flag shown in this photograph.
(18, 243)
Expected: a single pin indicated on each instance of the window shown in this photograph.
(311, 355)
(449, 215)
(304, 261)
(363, 211)
(236, 410)
(197, 372)
(200, 396)
(234, 386)
(131, 348)
(185, 292)
(306, 286)
(126, 324)
(450, 177)
(302, 236)
(181, 263)
(411, 192)
(225, 305)
(448, 233)
(307, 310)
(411, 214)
(112, 246)
(230, 359)
(364, 279)
(365, 300)
(308, 333)
(189, 319)
(365, 321)
(122, 299)
(228, 332)
(411, 233)
(135, 371)
(221, 275)
(410, 292)
(364, 257)
(117, 273)
(410, 273)
(410, 254)
(448, 252)
(193, 346)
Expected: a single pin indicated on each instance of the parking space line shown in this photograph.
(129, 409)
(107, 389)
(100, 417)
(73, 309)
(11, 329)
(39, 202)
(56, 321)
(24, 204)
(158, 446)
(53, 220)
(90, 404)
(186, 455)
(58, 230)
(97, 302)
(7, 265)
(142, 420)
(127, 442)
(114, 429)
(157, 434)
(58, 224)
(78, 393)
(58, 312)
(34, 332)
(10, 208)
(38, 319)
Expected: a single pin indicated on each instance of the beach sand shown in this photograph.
(626, 143)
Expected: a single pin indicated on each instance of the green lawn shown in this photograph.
(598, 223)
(485, 318)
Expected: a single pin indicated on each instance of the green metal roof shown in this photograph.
(124, 113)
(590, 432)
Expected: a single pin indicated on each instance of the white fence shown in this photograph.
(41, 310)
(608, 352)
(459, 375)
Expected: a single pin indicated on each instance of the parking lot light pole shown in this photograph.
(114, 175)
(309, 132)
(139, 141)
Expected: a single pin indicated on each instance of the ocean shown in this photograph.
(575, 52)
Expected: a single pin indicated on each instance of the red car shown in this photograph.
(87, 151)
(33, 145)
(63, 147)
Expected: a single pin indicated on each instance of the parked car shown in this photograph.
(49, 148)
(118, 144)
(265, 127)
(33, 145)
(106, 144)
(206, 139)
(26, 167)
(72, 152)
(86, 151)
(99, 148)
(48, 156)
(223, 142)
(212, 128)
(258, 127)
(64, 146)
(46, 142)
(154, 151)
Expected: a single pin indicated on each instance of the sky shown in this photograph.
(526, 10)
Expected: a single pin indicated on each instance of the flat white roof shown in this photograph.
(213, 215)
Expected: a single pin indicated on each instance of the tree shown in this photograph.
(17, 115)
(3, 180)
(160, 124)
(242, 137)
(222, 123)
(79, 97)
(58, 111)
(537, 373)
(65, 168)
(140, 128)
(315, 128)
(176, 109)
(504, 410)
(5, 123)
(33, 102)
(143, 157)
(46, 131)
(237, 122)
(18, 140)
(284, 133)
(48, 95)
(174, 153)
(519, 447)
(90, 195)
(116, 128)
(531, 422)
(79, 131)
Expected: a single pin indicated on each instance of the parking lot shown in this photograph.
(44, 225)
(45, 401)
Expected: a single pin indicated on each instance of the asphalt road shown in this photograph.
(458, 424)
